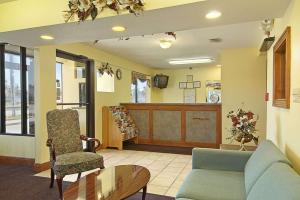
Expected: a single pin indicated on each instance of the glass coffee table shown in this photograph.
(113, 183)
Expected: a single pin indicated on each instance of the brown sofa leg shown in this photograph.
(59, 185)
(52, 178)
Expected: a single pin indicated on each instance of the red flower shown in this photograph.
(250, 115)
(235, 121)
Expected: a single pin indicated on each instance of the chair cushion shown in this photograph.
(203, 184)
(71, 163)
(278, 182)
(265, 155)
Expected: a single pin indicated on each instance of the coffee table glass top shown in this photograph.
(112, 183)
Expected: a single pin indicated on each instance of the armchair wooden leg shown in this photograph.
(79, 175)
(59, 181)
(52, 178)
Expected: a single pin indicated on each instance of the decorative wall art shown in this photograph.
(189, 85)
(119, 74)
(213, 91)
(83, 9)
(197, 84)
(189, 95)
(189, 78)
(182, 85)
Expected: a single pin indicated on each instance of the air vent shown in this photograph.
(215, 40)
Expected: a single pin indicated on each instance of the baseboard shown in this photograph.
(39, 167)
(7, 160)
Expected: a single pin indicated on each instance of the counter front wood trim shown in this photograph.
(214, 112)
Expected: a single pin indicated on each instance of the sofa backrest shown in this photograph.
(278, 182)
(265, 155)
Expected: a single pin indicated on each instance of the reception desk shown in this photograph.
(185, 125)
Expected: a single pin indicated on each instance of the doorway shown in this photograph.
(75, 89)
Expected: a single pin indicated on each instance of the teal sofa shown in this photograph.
(265, 174)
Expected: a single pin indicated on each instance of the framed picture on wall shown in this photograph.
(190, 85)
(189, 78)
(182, 85)
(189, 96)
(197, 84)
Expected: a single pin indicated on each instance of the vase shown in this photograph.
(243, 139)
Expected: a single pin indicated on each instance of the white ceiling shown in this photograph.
(189, 44)
(238, 27)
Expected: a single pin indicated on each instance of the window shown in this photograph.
(282, 62)
(17, 90)
(59, 95)
(140, 88)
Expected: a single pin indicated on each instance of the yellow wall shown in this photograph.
(34, 13)
(17, 146)
(243, 81)
(283, 124)
(172, 94)
(46, 71)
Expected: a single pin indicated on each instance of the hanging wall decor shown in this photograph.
(119, 74)
(82, 9)
(105, 68)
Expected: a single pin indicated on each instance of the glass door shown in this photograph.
(73, 89)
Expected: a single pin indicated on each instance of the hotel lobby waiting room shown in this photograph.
(149, 100)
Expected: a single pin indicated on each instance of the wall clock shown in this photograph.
(119, 74)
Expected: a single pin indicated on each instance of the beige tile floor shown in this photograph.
(167, 170)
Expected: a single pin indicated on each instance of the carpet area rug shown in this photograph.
(18, 183)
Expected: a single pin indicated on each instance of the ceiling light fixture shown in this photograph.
(191, 61)
(47, 37)
(213, 14)
(118, 28)
(165, 44)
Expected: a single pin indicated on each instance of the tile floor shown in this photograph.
(167, 170)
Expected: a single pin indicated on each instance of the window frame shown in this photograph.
(283, 42)
(23, 83)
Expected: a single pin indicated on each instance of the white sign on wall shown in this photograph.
(105, 82)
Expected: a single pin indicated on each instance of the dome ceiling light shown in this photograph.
(213, 14)
(165, 44)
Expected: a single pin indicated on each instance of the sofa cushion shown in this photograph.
(278, 182)
(203, 184)
(264, 156)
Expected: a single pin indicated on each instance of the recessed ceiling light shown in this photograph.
(165, 44)
(213, 14)
(118, 28)
(47, 37)
(190, 61)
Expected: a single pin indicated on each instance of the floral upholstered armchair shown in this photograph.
(65, 144)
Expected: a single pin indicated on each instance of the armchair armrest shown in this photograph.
(52, 149)
(96, 146)
(216, 159)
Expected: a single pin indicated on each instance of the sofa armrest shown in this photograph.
(216, 159)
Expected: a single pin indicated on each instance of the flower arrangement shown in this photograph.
(243, 126)
(85, 8)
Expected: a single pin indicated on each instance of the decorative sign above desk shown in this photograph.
(189, 84)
